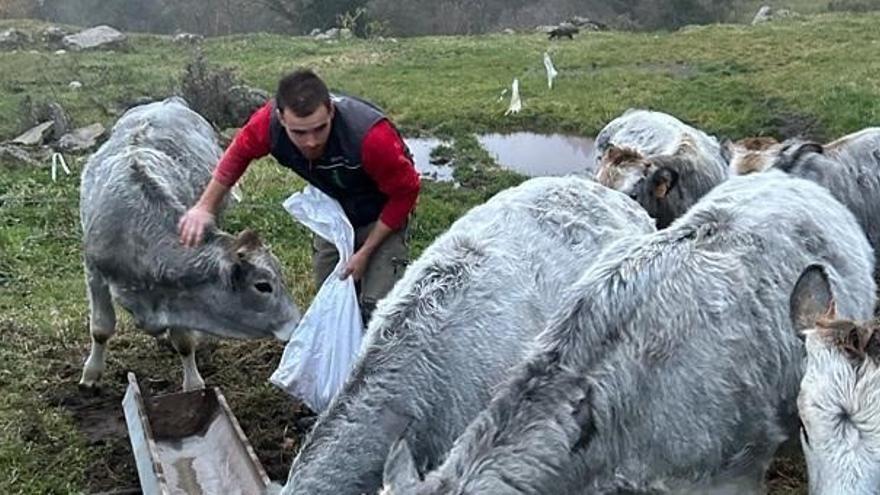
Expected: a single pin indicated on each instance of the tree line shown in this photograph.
(384, 17)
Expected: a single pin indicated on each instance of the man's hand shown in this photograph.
(356, 265)
(193, 224)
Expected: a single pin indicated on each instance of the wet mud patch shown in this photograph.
(274, 423)
(784, 123)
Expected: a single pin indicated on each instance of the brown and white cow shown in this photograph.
(659, 161)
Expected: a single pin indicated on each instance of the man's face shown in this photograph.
(308, 133)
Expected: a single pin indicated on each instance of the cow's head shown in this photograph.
(250, 299)
(750, 155)
(649, 181)
(839, 400)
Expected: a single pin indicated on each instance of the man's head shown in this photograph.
(305, 111)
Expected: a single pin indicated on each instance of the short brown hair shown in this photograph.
(302, 92)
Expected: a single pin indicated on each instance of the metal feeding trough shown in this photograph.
(190, 443)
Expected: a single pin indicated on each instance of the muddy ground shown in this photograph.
(274, 424)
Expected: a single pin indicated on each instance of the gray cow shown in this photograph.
(658, 160)
(848, 167)
(133, 191)
(674, 363)
(462, 315)
(839, 406)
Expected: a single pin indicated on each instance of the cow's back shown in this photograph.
(158, 159)
(173, 145)
(464, 313)
(657, 133)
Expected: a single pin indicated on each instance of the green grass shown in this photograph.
(731, 80)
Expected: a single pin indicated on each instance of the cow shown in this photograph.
(839, 405)
(848, 167)
(673, 364)
(750, 155)
(564, 29)
(449, 331)
(133, 191)
(661, 162)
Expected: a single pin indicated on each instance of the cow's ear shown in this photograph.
(247, 240)
(811, 299)
(810, 147)
(662, 181)
(792, 153)
(400, 471)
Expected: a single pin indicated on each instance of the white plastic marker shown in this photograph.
(551, 71)
(515, 102)
(58, 159)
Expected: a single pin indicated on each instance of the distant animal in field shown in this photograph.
(563, 30)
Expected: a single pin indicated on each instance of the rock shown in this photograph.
(767, 13)
(75, 85)
(587, 24)
(60, 52)
(508, 31)
(12, 154)
(81, 139)
(315, 32)
(12, 39)
(330, 34)
(100, 37)
(345, 34)
(53, 36)
(244, 101)
(184, 38)
(763, 15)
(35, 136)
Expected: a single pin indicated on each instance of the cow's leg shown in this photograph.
(184, 342)
(102, 326)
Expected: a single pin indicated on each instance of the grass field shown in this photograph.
(816, 76)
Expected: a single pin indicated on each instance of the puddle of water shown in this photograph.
(421, 151)
(530, 154)
(537, 155)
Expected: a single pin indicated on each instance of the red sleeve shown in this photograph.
(251, 142)
(384, 159)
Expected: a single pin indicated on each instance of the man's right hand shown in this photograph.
(193, 224)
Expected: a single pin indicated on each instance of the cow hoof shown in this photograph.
(91, 389)
(193, 385)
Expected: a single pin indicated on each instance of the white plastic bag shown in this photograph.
(323, 347)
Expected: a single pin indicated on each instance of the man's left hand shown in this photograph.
(356, 266)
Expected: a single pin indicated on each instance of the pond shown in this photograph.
(421, 151)
(528, 153)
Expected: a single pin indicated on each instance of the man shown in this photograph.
(345, 147)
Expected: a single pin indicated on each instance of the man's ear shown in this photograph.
(663, 180)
